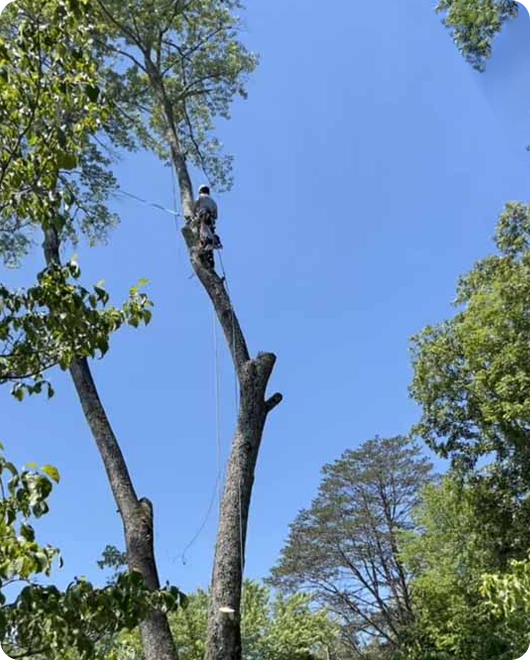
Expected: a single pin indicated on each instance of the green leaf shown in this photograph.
(52, 472)
(66, 161)
(92, 92)
(27, 532)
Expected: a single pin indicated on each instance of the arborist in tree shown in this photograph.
(206, 212)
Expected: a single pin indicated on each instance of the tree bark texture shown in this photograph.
(136, 515)
(224, 619)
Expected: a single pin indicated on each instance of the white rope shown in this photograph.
(217, 491)
(219, 481)
(236, 382)
(219, 476)
(148, 203)
(217, 410)
(236, 401)
(201, 527)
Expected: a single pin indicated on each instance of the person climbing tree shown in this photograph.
(206, 213)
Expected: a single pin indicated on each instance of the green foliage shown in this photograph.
(508, 596)
(52, 177)
(295, 632)
(471, 377)
(24, 496)
(51, 171)
(474, 24)
(472, 373)
(115, 560)
(55, 321)
(42, 619)
(447, 555)
(272, 629)
(345, 549)
(192, 51)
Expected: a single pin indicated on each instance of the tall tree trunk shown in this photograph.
(136, 514)
(224, 620)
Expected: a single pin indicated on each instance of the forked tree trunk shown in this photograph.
(136, 514)
(224, 619)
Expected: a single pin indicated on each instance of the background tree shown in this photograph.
(474, 24)
(508, 596)
(345, 549)
(276, 628)
(447, 556)
(472, 372)
(471, 376)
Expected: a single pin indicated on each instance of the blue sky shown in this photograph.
(371, 164)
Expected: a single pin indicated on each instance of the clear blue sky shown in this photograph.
(371, 164)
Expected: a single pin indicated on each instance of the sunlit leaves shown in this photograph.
(55, 321)
(43, 619)
(24, 495)
(474, 24)
(193, 52)
(451, 548)
(472, 373)
(508, 595)
(51, 172)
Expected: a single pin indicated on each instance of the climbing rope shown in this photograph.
(236, 403)
(217, 410)
(236, 382)
(148, 203)
(219, 480)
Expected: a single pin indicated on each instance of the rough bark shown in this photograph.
(224, 619)
(136, 514)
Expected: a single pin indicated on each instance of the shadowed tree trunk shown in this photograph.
(136, 514)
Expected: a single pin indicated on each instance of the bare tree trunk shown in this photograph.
(136, 514)
(224, 620)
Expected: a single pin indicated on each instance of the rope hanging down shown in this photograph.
(219, 481)
(219, 477)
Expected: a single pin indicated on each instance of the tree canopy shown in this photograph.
(273, 628)
(472, 372)
(474, 24)
(448, 554)
(345, 549)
